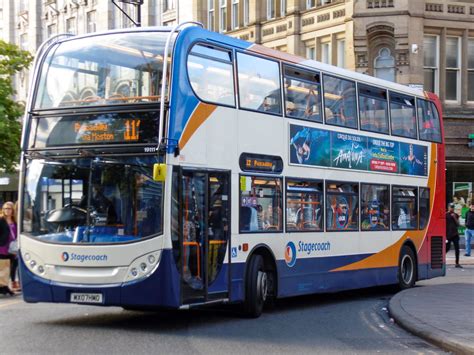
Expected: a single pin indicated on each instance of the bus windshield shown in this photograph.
(92, 200)
(108, 69)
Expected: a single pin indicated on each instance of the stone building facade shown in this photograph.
(428, 44)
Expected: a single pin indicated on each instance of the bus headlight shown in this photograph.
(34, 263)
(143, 266)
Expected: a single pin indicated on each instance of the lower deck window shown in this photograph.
(304, 206)
(260, 204)
(342, 206)
(404, 207)
(375, 207)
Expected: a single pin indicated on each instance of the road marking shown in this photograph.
(10, 303)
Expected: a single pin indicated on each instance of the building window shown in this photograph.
(282, 8)
(71, 25)
(91, 21)
(341, 53)
(210, 15)
(222, 15)
(470, 69)
(431, 63)
(51, 30)
(235, 14)
(261, 207)
(452, 68)
(304, 206)
(311, 53)
(270, 9)
(326, 52)
(246, 13)
(342, 206)
(24, 41)
(375, 204)
(310, 4)
(169, 5)
(384, 65)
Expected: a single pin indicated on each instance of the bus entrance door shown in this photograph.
(204, 235)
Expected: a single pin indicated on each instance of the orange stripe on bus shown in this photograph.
(199, 116)
(389, 257)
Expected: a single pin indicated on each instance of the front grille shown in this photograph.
(436, 252)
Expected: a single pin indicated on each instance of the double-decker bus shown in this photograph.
(180, 167)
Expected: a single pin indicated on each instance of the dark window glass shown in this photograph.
(342, 206)
(84, 200)
(402, 112)
(373, 109)
(259, 84)
(340, 102)
(211, 75)
(302, 94)
(375, 207)
(304, 206)
(404, 207)
(260, 204)
(424, 206)
(428, 121)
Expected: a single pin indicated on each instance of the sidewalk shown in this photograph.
(441, 310)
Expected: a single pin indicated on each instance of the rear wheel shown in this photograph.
(406, 268)
(256, 287)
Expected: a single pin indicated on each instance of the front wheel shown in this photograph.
(406, 268)
(256, 287)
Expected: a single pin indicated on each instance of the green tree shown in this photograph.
(12, 61)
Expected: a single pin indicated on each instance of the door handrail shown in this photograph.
(161, 135)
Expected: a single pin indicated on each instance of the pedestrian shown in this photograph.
(469, 233)
(452, 235)
(5, 239)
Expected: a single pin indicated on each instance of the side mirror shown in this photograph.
(159, 172)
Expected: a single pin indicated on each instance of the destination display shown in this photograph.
(260, 163)
(318, 147)
(105, 128)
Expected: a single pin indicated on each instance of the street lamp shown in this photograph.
(137, 4)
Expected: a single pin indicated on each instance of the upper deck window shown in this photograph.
(120, 68)
(302, 94)
(373, 109)
(428, 121)
(402, 111)
(340, 102)
(259, 84)
(211, 74)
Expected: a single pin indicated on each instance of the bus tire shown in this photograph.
(256, 287)
(406, 268)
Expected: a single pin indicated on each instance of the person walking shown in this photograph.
(5, 240)
(469, 232)
(452, 235)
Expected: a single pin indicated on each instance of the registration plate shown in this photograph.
(86, 298)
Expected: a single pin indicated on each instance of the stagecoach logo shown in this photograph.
(65, 256)
(290, 254)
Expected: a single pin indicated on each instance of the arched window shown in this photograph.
(384, 65)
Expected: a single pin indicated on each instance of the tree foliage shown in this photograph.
(12, 61)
